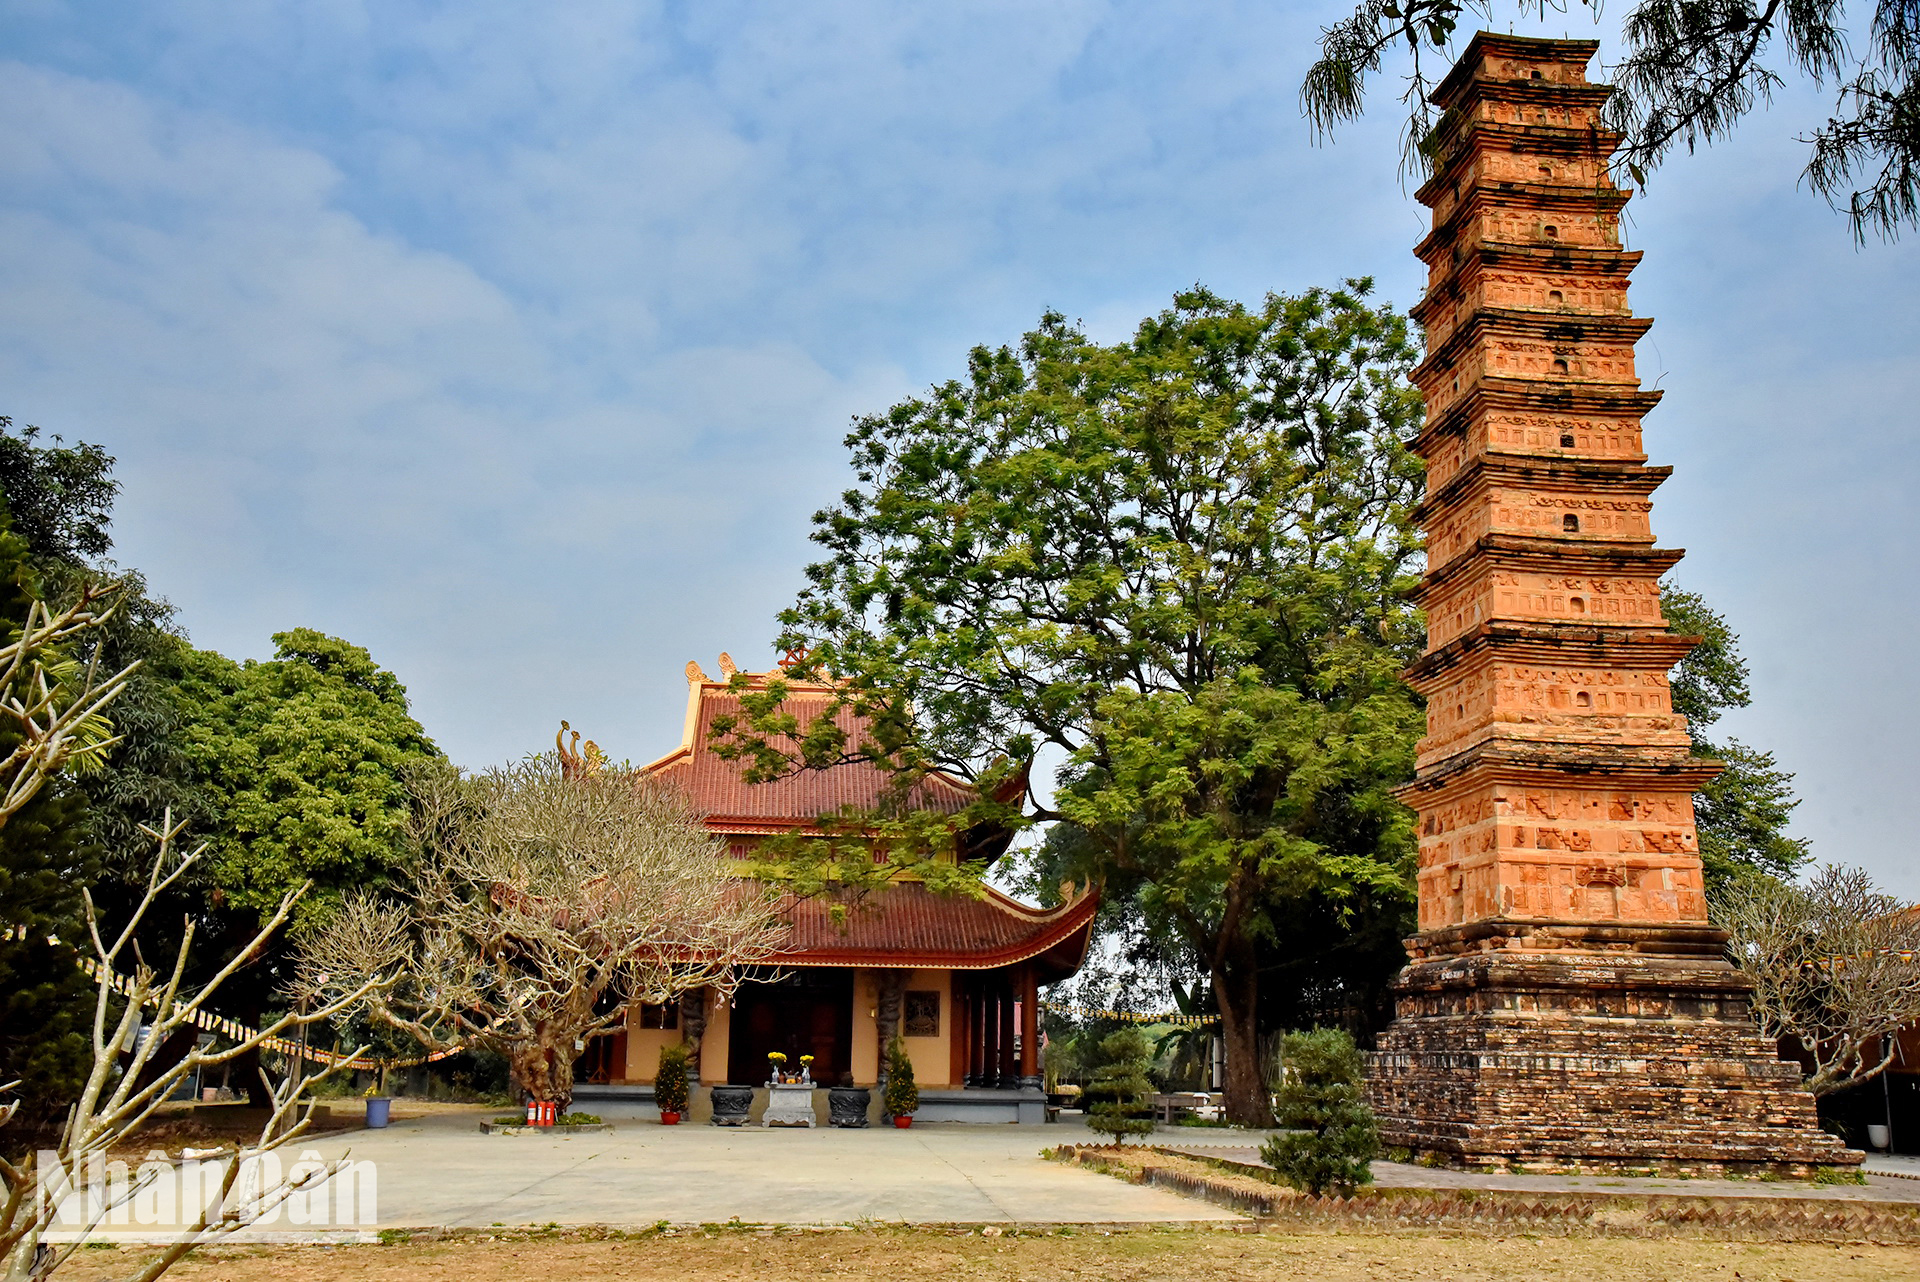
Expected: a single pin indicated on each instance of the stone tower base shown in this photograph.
(1589, 1048)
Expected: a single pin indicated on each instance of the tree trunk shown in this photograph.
(1236, 987)
(543, 1066)
(889, 995)
(247, 1068)
(166, 1055)
(693, 1028)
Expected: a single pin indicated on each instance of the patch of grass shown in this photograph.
(1836, 1175)
(580, 1119)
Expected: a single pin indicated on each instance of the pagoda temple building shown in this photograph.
(956, 976)
(1568, 1005)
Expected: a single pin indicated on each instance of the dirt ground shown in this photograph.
(1137, 1255)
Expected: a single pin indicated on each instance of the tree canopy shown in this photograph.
(46, 856)
(1693, 69)
(1178, 563)
(1742, 815)
(302, 757)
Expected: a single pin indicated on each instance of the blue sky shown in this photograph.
(516, 343)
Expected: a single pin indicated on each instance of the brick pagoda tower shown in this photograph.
(1567, 1005)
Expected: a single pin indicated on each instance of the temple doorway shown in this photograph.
(808, 1013)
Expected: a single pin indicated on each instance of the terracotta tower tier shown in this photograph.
(1568, 1005)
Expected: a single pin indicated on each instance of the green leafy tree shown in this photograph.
(1120, 1097)
(1179, 562)
(1693, 69)
(46, 856)
(1331, 1138)
(61, 496)
(304, 756)
(298, 761)
(1742, 815)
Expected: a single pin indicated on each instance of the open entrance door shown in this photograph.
(808, 1013)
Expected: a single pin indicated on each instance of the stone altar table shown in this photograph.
(789, 1104)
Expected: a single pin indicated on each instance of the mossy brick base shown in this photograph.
(1612, 1060)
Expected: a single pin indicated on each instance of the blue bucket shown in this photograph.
(378, 1109)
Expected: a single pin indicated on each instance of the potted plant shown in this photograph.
(806, 1068)
(670, 1084)
(776, 1065)
(902, 1097)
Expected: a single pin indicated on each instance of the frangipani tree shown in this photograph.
(1835, 965)
(547, 900)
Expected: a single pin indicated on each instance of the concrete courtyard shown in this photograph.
(439, 1170)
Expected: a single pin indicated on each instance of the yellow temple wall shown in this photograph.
(933, 1056)
(866, 1027)
(643, 1047)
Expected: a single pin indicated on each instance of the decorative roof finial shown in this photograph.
(695, 672)
(727, 666)
(795, 657)
(569, 759)
(575, 763)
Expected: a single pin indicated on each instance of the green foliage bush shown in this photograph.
(1121, 1094)
(1331, 1135)
(902, 1096)
(670, 1080)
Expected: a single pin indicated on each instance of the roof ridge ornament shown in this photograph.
(577, 762)
(695, 673)
(727, 666)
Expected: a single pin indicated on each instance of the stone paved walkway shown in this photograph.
(1899, 1165)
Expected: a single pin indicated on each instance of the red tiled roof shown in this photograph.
(906, 925)
(731, 804)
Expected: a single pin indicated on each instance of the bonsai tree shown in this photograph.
(902, 1096)
(1332, 1136)
(1121, 1093)
(670, 1080)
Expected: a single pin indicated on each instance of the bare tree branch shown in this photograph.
(545, 904)
(1835, 966)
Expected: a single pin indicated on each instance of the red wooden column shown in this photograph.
(1029, 1026)
(1006, 1073)
(990, 1024)
(977, 1009)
